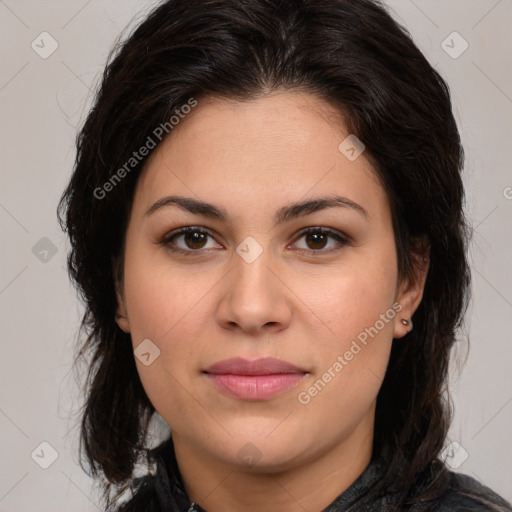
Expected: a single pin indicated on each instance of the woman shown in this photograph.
(267, 231)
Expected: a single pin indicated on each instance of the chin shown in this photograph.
(255, 454)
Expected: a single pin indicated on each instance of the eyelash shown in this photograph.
(341, 240)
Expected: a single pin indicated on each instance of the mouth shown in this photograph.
(256, 380)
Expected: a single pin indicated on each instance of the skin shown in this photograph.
(292, 302)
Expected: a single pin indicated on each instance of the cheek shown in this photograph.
(158, 313)
(162, 300)
(168, 307)
(356, 309)
(349, 300)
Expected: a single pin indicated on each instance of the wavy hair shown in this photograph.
(357, 58)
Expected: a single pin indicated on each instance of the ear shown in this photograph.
(410, 291)
(121, 311)
(121, 314)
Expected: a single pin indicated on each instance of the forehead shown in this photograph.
(281, 120)
(284, 145)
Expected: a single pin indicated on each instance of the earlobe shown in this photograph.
(408, 326)
(403, 327)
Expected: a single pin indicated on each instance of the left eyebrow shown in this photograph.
(282, 215)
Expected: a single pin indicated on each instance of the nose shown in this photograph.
(254, 297)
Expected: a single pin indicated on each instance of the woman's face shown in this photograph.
(254, 285)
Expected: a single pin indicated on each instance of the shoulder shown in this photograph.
(465, 493)
(144, 496)
(145, 489)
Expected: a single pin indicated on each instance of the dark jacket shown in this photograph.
(164, 491)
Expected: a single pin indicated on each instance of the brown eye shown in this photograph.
(195, 239)
(187, 240)
(317, 240)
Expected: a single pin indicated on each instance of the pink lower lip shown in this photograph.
(255, 387)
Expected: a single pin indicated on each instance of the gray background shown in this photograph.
(44, 100)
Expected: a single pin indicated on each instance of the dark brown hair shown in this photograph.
(357, 58)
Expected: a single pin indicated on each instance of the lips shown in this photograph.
(260, 379)
(263, 366)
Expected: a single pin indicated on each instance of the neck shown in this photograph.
(219, 486)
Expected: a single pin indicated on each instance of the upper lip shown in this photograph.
(262, 366)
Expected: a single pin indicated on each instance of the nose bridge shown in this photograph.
(253, 295)
(252, 273)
